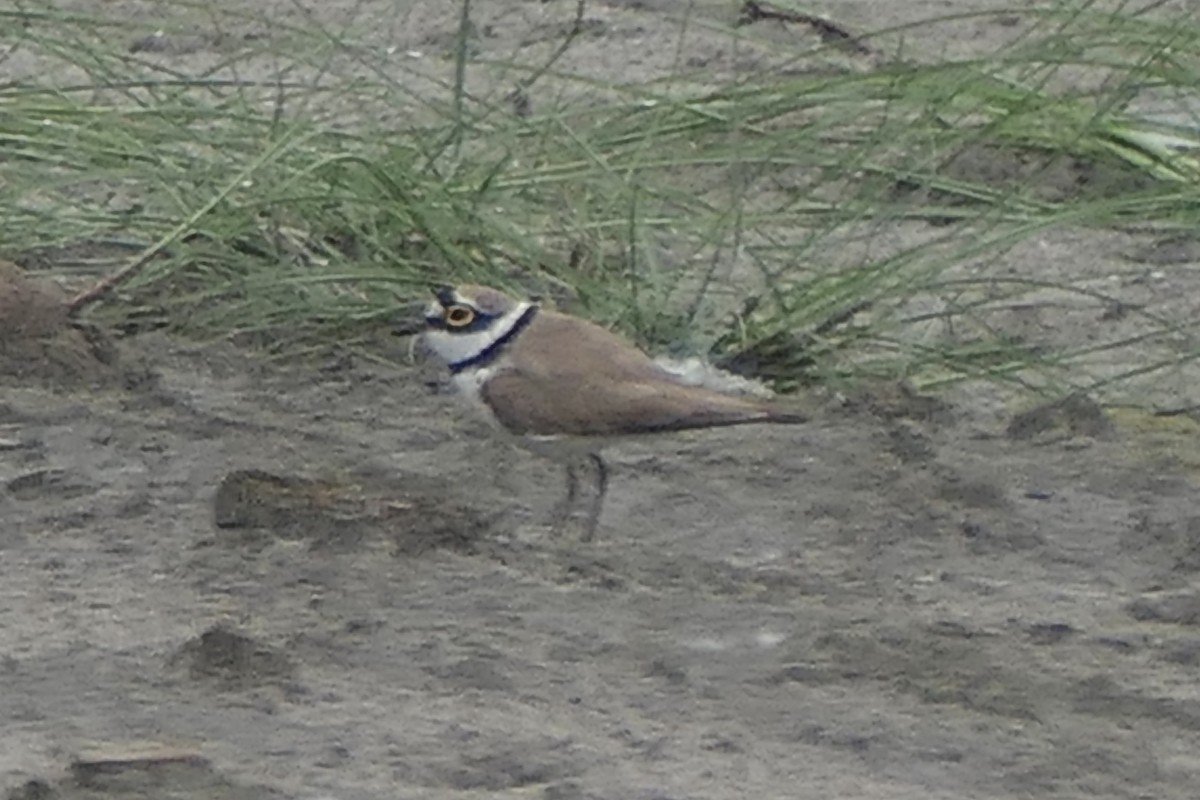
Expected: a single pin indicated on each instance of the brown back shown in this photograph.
(565, 375)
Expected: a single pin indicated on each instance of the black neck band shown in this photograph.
(492, 350)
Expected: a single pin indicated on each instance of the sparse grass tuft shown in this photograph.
(802, 223)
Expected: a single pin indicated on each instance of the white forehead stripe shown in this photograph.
(456, 347)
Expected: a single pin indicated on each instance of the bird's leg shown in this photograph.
(562, 509)
(593, 519)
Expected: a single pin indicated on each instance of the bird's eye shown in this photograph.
(459, 316)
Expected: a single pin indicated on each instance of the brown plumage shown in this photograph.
(565, 386)
(606, 387)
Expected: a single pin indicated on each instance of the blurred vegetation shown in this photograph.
(739, 221)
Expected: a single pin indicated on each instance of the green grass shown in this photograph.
(753, 221)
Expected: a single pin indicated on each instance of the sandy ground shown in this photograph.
(222, 577)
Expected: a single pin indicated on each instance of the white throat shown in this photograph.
(454, 348)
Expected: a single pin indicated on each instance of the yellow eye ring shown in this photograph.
(459, 316)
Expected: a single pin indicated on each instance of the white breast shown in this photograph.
(468, 385)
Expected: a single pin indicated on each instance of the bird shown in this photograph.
(564, 387)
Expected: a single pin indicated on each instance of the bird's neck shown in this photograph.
(469, 351)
